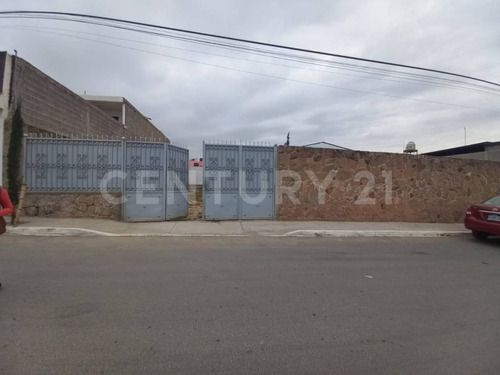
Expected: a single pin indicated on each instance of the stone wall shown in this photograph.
(74, 205)
(368, 186)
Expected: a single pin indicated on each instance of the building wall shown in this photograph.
(3, 58)
(195, 175)
(491, 153)
(51, 108)
(406, 188)
(5, 72)
(137, 125)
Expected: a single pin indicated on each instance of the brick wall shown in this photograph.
(368, 186)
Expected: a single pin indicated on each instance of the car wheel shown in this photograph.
(480, 235)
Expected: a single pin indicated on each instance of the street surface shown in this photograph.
(249, 306)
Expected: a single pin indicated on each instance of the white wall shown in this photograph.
(195, 175)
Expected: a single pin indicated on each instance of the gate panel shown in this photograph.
(257, 182)
(239, 182)
(177, 160)
(221, 182)
(66, 165)
(144, 181)
(152, 177)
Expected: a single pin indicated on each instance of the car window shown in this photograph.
(495, 201)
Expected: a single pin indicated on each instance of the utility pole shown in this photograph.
(465, 136)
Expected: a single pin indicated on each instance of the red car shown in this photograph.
(484, 219)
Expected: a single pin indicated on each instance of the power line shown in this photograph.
(289, 79)
(44, 14)
(413, 80)
(281, 55)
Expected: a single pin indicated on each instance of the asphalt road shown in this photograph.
(256, 306)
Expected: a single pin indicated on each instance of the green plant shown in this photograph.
(14, 156)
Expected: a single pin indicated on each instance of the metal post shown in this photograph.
(275, 195)
(124, 170)
(203, 192)
(166, 149)
(239, 172)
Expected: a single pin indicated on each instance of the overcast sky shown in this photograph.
(202, 99)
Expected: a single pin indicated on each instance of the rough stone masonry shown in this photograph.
(339, 185)
(89, 205)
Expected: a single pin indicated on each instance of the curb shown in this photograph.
(81, 232)
(373, 233)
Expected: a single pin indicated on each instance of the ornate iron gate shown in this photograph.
(152, 177)
(238, 181)
(177, 183)
(144, 181)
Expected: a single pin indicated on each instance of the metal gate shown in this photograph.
(152, 177)
(177, 183)
(238, 181)
(156, 181)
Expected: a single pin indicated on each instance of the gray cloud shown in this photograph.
(191, 101)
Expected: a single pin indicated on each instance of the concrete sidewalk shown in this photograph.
(36, 226)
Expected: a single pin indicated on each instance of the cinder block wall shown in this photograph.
(139, 126)
(50, 107)
(53, 108)
(369, 186)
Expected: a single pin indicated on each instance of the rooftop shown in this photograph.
(101, 98)
(468, 149)
(324, 144)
